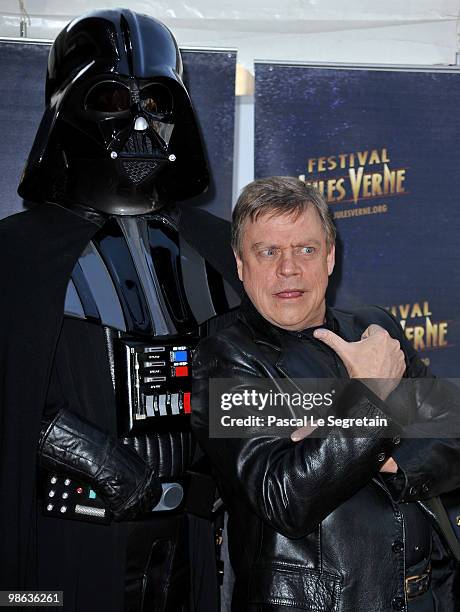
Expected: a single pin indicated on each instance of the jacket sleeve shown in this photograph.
(429, 454)
(292, 486)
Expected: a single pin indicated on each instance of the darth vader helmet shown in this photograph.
(119, 134)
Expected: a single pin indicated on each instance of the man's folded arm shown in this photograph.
(427, 468)
(428, 457)
(292, 486)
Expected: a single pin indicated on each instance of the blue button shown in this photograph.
(92, 494)
(180, 355)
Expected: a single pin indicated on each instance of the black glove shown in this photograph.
(126, 484)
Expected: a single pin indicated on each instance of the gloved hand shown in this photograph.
(124, 481)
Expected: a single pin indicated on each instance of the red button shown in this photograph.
(181, 371)
(187, 406)
(79, 490)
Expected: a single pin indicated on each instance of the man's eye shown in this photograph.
(268, 252)
(306, 250)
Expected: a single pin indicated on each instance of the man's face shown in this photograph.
(285, 267)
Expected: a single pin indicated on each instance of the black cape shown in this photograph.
(38, 250)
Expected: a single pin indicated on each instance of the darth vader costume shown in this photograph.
(108, 283)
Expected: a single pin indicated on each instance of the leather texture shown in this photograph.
(312, 526)
(170, 454)
(125, 482)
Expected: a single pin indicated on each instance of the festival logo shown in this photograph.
(423, 331)
(350, 180)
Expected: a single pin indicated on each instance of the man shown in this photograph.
(322, 523)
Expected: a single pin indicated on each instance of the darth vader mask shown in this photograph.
(119, 133)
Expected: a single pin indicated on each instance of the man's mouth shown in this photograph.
(288, 294)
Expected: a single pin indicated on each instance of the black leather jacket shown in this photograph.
(312, 526)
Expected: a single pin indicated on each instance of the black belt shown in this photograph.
(418, 584)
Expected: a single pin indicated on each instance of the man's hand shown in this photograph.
(390, 466)
(301, 433)
(377, 355)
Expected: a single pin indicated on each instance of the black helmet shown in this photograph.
(119, 133)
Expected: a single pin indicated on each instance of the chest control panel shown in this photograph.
(158, 382)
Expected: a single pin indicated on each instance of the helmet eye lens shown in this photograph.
(108, 97)
(157, 99)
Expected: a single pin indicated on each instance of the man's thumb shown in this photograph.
(334, 341)
(371, 330)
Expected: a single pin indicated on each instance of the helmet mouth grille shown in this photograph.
(138, 171)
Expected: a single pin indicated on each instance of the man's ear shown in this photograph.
(239, 265)
(331, 260)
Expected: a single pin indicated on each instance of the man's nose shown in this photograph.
(287, 265)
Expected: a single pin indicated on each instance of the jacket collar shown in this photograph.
(264, 332)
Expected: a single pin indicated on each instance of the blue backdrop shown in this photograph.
(210, 77)
(383, 146)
